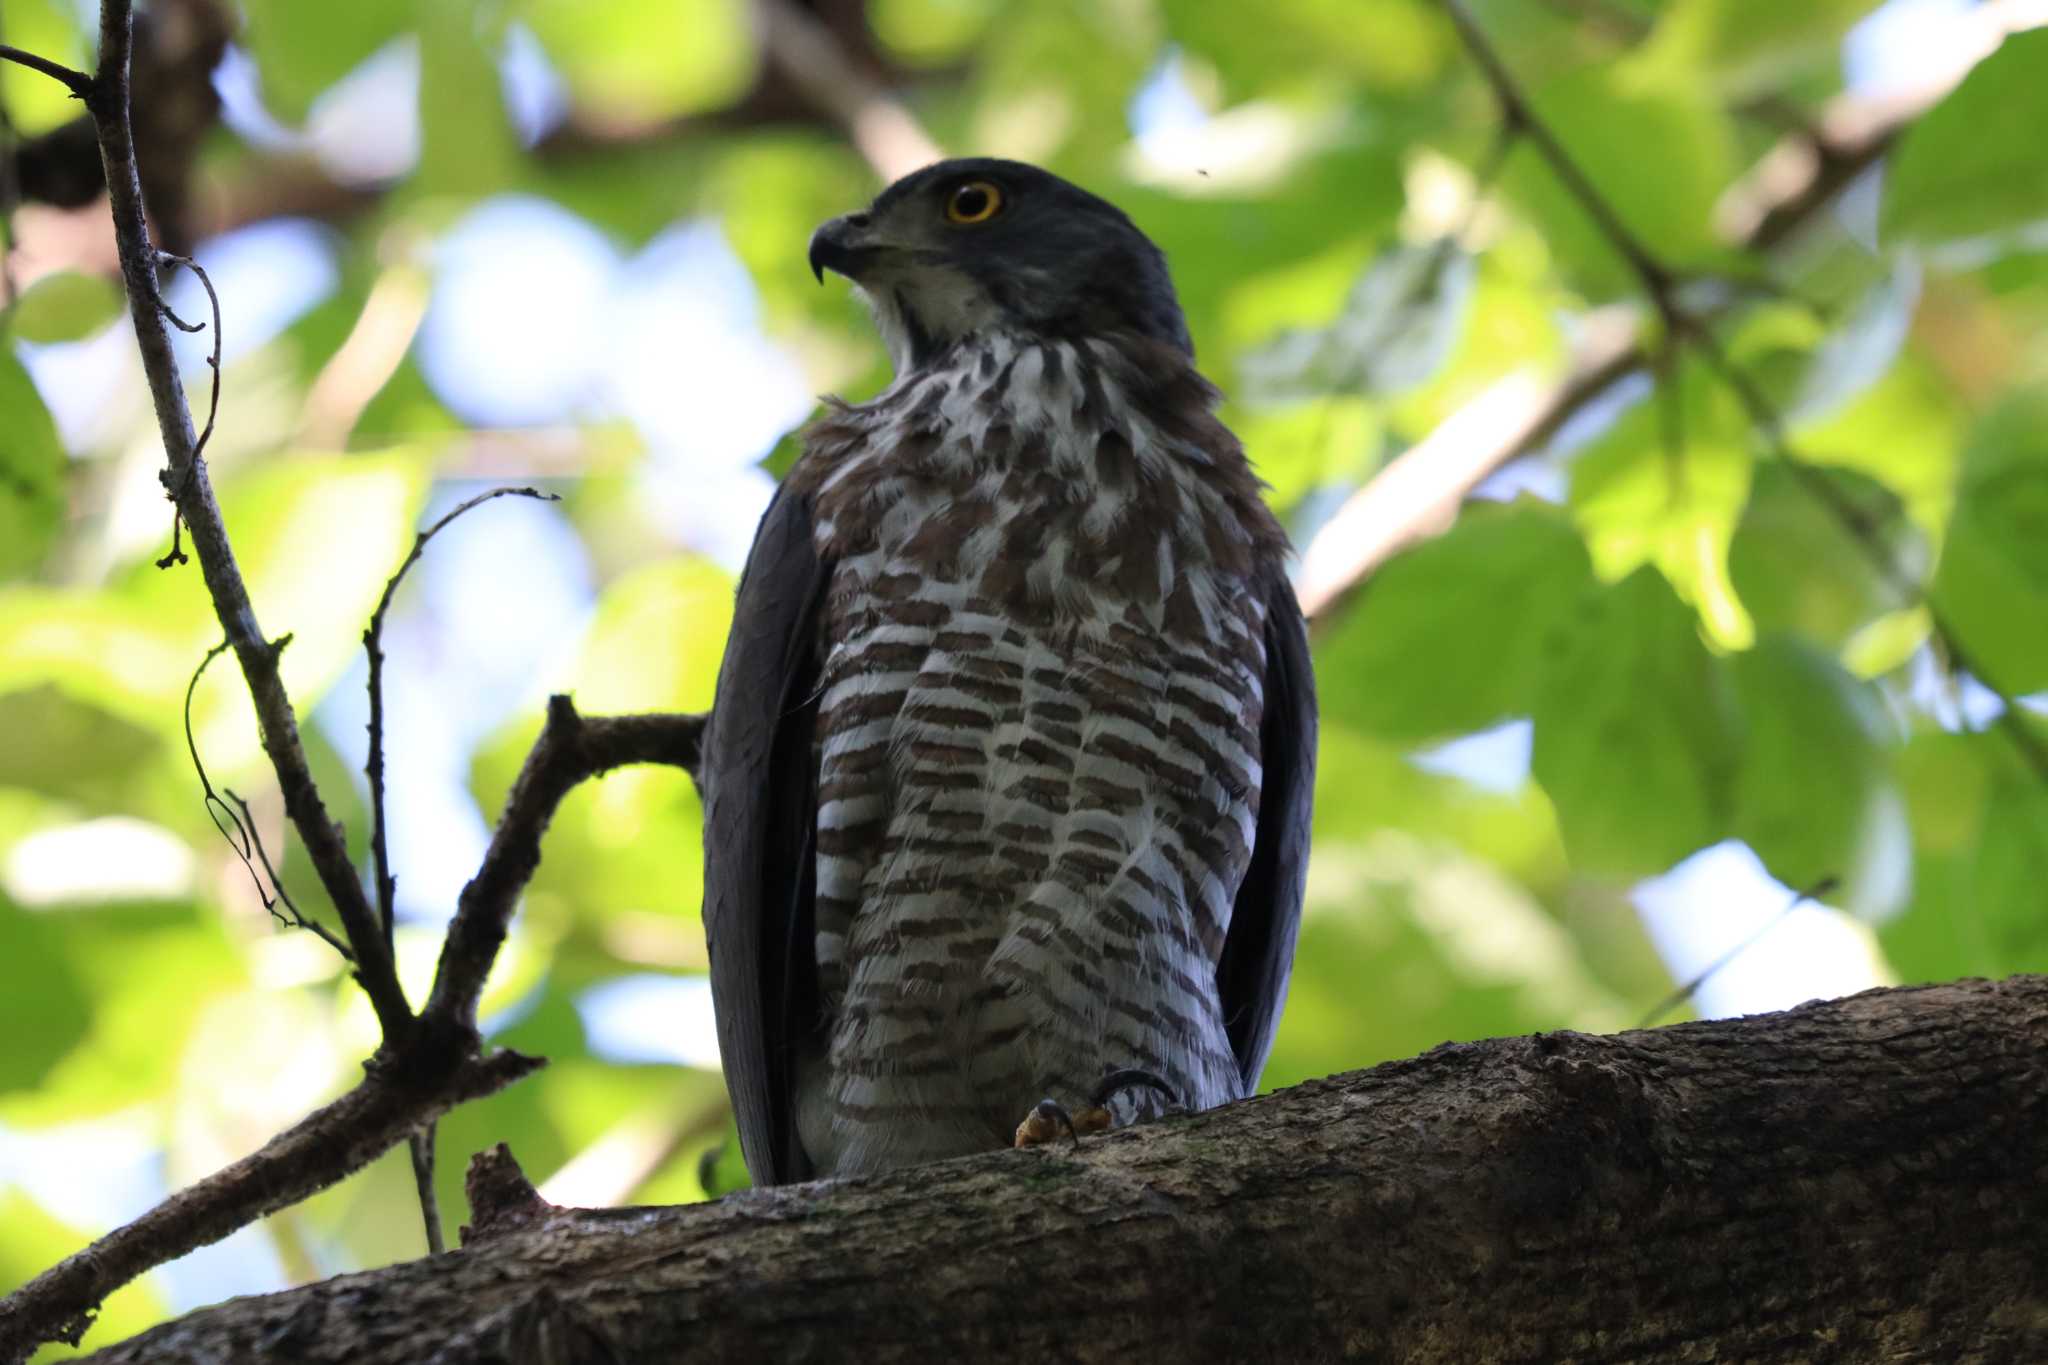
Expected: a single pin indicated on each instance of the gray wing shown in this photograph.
(1258, 952)
(760, 818)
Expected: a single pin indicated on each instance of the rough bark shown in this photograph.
(1857, 1180)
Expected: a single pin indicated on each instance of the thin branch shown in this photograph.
(878, 124)
(421, 1143)
(177, 554)
(239, 830)
(1688, 327)
(185, 478)
(328, 1144)
(571, 749)
(77, 82)
(373, 644)
(1690, 988)
(421, 1147)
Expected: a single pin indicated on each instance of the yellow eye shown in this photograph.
(976, 201)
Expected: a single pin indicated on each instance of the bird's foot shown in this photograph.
(1049, 1118)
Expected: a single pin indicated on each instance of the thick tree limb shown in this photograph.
(1855, 1180)
(328, 1144)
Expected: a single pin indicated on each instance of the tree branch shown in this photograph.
(874, 120)
(571, 749)
(185, 479)
(320, 1149)
(77, 82)
(373, 646)
(1852, 1180)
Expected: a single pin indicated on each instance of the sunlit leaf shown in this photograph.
(1992, 585)
(1394, 330)
(1635, 741)
(640, 61)
(1664, 486)
(45, 1010)
(1955, 174)
(61, 746)
(1980, 837)
(1400, 48)
(1446, 638)
(66, 306)
(31, 470)
(1660, 156)
(1754, 44)
(1813, 796)
(302, 49)
(1806, 555)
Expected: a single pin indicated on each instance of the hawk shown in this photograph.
(1007, 779)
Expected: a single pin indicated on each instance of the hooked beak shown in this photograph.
(842, 245)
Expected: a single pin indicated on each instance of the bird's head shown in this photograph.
(978, 245)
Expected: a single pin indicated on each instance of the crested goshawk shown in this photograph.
(1007, 779)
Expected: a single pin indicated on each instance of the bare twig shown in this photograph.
(239, 830)
(421, 1143)
(571, 749)
(1690, 988)
(177, 555)
(77, 82)
(421, 1146)
(185, 478)
(373, 644)
(426, 1064)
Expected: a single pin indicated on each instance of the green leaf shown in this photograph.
(1401, 48)
(1635, 743)
(1966, 168)
(32, 468)
(1980, 840)
(45, 1010)
(151, 970)
(60, 746)
(1813, 796)
(467, 145)
(1664, 486)
(1395, 329)
(1659, 154)
(1447, 637)
(1755, 45)
(66, 306)
(1992, 586)
(644, 61)
(1799, 568)
(301, 49)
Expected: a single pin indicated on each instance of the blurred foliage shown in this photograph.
(1705, 651)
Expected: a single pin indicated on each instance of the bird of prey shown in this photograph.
(1007, 779)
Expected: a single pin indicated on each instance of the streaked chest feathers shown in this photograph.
(1037, 748)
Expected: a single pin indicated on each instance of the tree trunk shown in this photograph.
(1860, 1180)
